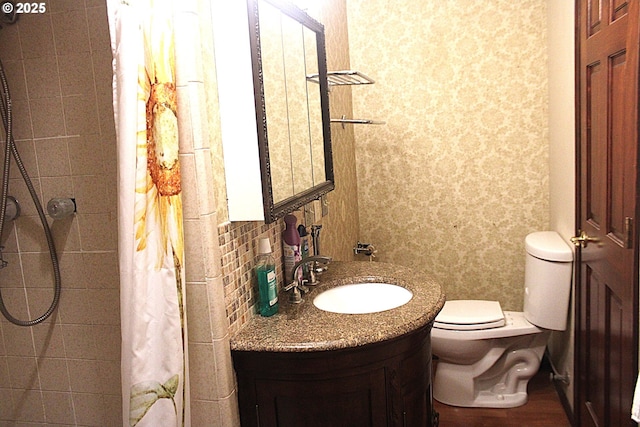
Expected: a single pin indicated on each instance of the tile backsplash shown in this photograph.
(238, 246)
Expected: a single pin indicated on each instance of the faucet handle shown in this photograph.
(303, 286)
(296, 297)
(313, 280)
(319, 268)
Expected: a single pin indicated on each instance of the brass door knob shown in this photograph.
(583, 239)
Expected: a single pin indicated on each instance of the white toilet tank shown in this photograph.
(547, 280)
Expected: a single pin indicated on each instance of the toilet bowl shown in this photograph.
(486, 356)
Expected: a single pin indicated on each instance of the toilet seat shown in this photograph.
(470, 315)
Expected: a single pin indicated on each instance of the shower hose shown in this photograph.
(9, 151)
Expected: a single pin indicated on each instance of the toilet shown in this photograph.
(486, 356)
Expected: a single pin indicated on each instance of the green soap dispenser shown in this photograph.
(266, 273)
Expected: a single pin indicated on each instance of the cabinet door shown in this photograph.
(414, 374)
(353, 401)
(417, 408)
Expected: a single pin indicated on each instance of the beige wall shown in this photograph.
(458, 176)
(212, 385)
(560, 20)
(67, 370)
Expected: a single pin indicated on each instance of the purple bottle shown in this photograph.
(290, 246)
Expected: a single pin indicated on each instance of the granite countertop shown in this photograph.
(304, 328)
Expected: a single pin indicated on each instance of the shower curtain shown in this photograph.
(150, 236)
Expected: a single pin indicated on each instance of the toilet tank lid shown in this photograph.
(549, 246)
(482, 314)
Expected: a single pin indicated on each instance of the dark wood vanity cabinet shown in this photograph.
(381, 384)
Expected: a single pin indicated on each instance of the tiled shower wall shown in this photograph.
(66, 370)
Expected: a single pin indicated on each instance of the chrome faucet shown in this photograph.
(299, 283)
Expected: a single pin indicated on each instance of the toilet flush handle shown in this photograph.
(583, 239)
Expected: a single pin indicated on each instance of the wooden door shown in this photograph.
(606, 294)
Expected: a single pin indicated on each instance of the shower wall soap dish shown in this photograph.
(342, 78)
(345, 121)
(345, 78)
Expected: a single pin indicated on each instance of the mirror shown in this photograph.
(292, 111)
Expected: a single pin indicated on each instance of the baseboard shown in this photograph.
(565, 403)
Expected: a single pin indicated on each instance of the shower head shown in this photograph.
(8, 13)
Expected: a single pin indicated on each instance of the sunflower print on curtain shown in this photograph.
(151, 241)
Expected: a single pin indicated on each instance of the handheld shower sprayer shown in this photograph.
(10, 150)
(8, 14)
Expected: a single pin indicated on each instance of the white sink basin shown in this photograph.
(361, 298)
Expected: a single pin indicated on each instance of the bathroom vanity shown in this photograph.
(309, 367)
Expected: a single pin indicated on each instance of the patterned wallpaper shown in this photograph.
(341, 229)
(459, 174)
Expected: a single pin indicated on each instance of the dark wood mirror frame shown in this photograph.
(273, 211)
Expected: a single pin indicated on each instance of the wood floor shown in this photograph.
(542, 410)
